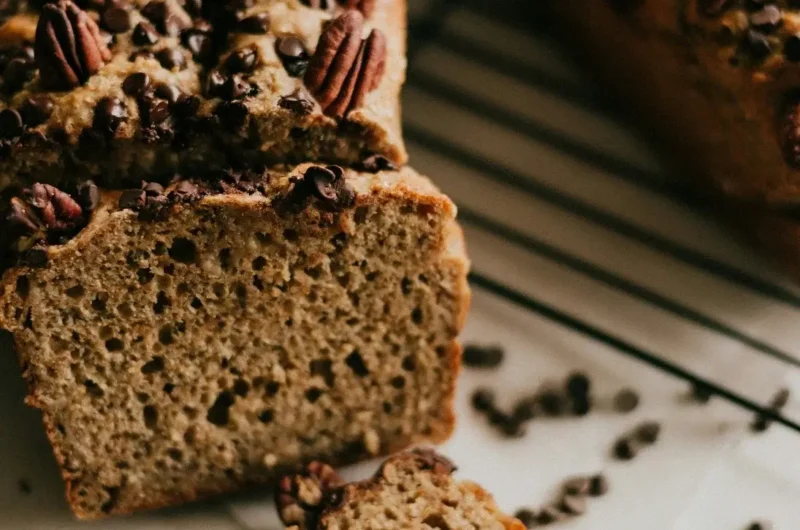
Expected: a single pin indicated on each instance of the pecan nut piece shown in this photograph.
(57, 209)
(345, 68)
(365, 6)
(300, 498)
(69, 48)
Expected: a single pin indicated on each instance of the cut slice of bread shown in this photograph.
(241, 334)
(412, 490)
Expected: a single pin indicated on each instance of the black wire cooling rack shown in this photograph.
(429, 28)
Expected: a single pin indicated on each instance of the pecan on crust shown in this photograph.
(301, 497)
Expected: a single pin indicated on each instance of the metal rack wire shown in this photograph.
(428, 30)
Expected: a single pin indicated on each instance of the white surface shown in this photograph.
(707, 472)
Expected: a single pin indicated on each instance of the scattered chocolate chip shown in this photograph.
(116, 19)
(35, 258)
(171, 58)
(648, 432)
(512, 428)
(186, 106)
(169, 92)
(527, 517)
(242, 60)
(165, 19)
(256, 24)
(700, 393)
(625, 449)
(109, 115)
(89, 195)
(578, 385)
(760, 525)
(136, 84)
(293, 55)
(766, 19)
(549, 514)
(298, 103)
(581, 406)
(232, 114)
(10, 123)
(598, 485)
(154, 111)
(525, 409)
(153, 189)
(132, 199)
(483, 400)
(577, 486)
(376, 163)
(16, 73)
(760, 424)
(573, 504)
(36, 110)
(318, 4)
(477, 356)
(144, 34)
(214, 83)
(626, 400)
(235, 87)
(780, 399)
(329, 186)
(552, 403)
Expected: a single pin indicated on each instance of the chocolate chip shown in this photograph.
(36, 110)
(109, 115)
(169, 92)
(791, 48)
(215, 82)
(199, 43)
(483, 400)
(171, 58)
(165, 19)
(780, 399)
(186, 106)
(598, 485)
(136, 84)
(10, 123)
(477, 356)
(700, 393)
(552, 403)
(760, 424)
(319, 4)
(376, 163)
(625, 449)
(527, 517)
(154, 110)
(235, 87)
(512, 428)
(525, 409)
(648, 432)
(242, 60)
(153, 189)
(577, 486)
(293, 55)
(578, 385)
(16, 73)
(760, 525)
(89, 195)
(581, 406)
(573, 505)
(766, 19)
(232, 114)
(132, 199)
(116, 19)
(549, 514)
(257, 24)
(757, 44)
(298, 103)
(187, 189)
(35, 258)
(626, 400)
(144, 34)
(143, 54)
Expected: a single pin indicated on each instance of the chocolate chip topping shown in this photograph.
(242, 60)
(35, 110)
(318, 4)
(171, 58)
(626, 400)
(136, 84)
(116, 19)
(483, 400)
(376, 163)
(766, 19)
(109, 114)
(169, 92)
(89, 195)
(293, 55)
(298, 102)
(255, 24)
(144, 34)
(199, 43)
(10, 123)
(16, 73)
(328, 185)
(477, 356)
(166, 20)
(132, 199)
(598, 485)
(69, 47)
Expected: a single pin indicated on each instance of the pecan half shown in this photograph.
(345, 68)
(301, 497)
(365, 6)
(69, 48)
(57, 209)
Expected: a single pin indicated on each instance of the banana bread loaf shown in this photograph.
(192, 340)
(411, 490)
(137, 89)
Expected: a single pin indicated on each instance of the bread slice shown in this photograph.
(221, 339)
(411, 490)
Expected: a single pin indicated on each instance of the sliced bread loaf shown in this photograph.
(194, 341)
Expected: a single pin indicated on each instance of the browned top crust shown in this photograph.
(139, 89)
